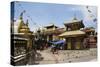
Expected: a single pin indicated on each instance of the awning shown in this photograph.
(58, 42)
(72, 33)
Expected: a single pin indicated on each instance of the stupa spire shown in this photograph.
(21, 14)
(27, 22)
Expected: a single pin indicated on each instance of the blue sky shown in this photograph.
(45, 13)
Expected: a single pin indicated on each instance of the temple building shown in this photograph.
(91, 36)
(52, 32)
(89, 31)
(73, 35)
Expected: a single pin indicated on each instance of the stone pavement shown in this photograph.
(67, 56)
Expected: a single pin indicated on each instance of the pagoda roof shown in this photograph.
(72, 33)
(73, 21)
(88, 29)
(56, 31)
(50, 26)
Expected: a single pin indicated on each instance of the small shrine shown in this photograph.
(73, 35)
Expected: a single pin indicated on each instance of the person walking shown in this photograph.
(53, 48)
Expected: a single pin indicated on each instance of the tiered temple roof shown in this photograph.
(71, 33)
(53, 29)
(74, 24)
(73, 28)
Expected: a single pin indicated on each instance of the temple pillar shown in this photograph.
(69, 43)
(78, 44)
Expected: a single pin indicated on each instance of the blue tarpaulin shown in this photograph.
(59, 42)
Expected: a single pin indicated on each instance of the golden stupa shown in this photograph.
(23, 27)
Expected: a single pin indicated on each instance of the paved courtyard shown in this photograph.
(65, 56)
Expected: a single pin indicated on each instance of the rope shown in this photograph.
(91, 14)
